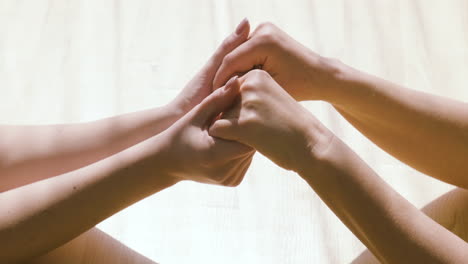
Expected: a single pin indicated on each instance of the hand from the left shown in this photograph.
(190, 153)
(268, 119)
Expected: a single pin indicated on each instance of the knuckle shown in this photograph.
(256, 77)
(248, 84)
(250, 119)
(261, 74)
(267, 25)
(228, 58)
(267, 33)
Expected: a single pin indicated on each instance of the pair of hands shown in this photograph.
(215, 140)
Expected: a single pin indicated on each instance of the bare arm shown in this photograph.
(31, 153)
(41, 216)
(46, 214)
(449, 210)
(92, 247)
(428, 132)
(393, 229)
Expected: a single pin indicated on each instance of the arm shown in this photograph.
(393, 229)
(41, 216)
(32, 153)
(449, 210)
(46, 214)
(428, 132)
(92, 247)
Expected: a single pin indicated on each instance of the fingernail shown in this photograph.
(242, 26)
(230, 83)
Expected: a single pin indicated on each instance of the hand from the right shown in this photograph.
(268, 119)
(192, 154)
(302, 73)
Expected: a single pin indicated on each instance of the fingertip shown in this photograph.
(243, 27)
(219, 129)
(213, 129)
(232, 84)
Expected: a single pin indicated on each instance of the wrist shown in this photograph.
(176, 109)
(156, 153)
(335, 78)
(318, 143)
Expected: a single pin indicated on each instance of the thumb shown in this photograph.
(217, 102)
(229, 44)
(224, 129)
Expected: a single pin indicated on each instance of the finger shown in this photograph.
(216, 102)
(236, 38)
(243, 59)
(233, 112)
(225, 128)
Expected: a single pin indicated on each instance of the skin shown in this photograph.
(386, 113)
(140, 156)
(93, 246)
(449, 210)
(66, 147)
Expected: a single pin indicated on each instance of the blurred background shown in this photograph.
(73, 61)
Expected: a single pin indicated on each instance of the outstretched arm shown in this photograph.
(31, 153)
(41, 216)
(428, 132)
(393, 229)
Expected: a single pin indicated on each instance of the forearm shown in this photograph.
(428, 132)
(448, 210)
(393, 229)
(41, 216)
(93, 246)
(31, 153)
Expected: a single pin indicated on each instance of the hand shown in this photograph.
(302, 73)
(193, 154)
(201, 85)
(268, 119)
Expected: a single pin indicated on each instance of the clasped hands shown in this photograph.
(220, 128)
